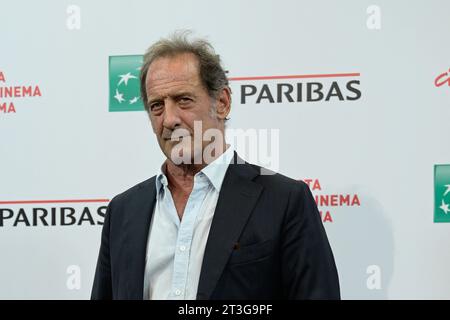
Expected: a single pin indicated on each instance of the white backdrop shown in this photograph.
(62, 150)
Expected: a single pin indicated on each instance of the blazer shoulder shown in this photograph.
(135, 190)
(277, 180)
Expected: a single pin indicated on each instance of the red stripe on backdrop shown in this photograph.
(298, 76)
(54, 201)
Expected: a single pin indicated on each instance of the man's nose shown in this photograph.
(171, 115)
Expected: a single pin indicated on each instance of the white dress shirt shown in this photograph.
(175, 248)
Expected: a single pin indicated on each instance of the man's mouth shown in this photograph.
(175, 138)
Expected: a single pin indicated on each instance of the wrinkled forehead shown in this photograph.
(181, 67)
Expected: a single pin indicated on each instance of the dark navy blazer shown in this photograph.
(266, 241)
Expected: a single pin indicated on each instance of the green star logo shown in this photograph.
(124, 83)
(442, 193)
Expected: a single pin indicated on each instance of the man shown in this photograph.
(209, 225)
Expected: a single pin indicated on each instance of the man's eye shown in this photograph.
(185, 99)
(156, 106)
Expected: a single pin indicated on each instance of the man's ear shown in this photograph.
(223, 103)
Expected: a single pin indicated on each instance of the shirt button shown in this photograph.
(182, 248)
(177, 292)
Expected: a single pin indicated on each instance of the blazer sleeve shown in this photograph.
(102, 287)
(308, 266)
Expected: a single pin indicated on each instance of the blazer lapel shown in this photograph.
(136, 230)
(237, 198)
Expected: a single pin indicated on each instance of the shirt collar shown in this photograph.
(215, 171)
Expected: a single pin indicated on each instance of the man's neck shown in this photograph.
(181, 177)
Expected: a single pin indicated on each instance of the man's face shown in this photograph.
(177, 98)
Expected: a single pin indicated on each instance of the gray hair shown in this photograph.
(211, 72)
